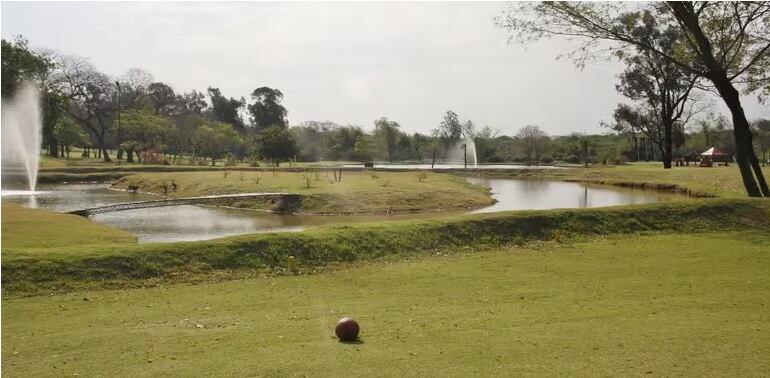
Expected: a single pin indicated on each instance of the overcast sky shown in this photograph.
(344, 62)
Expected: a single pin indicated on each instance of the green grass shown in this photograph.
(358, 192)
(125, 265)
(43, 232)
(663, 305)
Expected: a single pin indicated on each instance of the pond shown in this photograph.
(192, 222)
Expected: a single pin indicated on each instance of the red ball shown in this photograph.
(347, 329)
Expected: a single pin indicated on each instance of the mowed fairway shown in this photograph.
(694, 305)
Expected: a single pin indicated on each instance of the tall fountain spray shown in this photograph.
(22, 135)
(464, 150)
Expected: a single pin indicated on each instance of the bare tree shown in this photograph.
(91, 97)
(534, 141)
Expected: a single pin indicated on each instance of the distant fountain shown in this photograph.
(22, 136)
(460, 151)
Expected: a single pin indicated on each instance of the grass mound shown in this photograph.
(357, 192)
(317, 247)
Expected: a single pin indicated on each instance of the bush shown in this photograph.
(546, 159)
(152, 157)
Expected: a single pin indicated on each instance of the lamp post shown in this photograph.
(120, 151)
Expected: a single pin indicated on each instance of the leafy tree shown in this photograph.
(450, 128)
(215, 140)
(267, 109)
(226, 110)
(19, 63)
(387, 133)
(69, 134)
(420, 143)
(162, 99)
(275, 144)
(192, 102)
(726, 43)
(144, 130)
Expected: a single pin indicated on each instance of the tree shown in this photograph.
(267, 110)
(387, 132)
(143, 130)
(275, 144)
(91, 97)
(192, 102)
(69, 133)
(450, 128)
(726, 43)
(420, 143)
(162, 99)
(761, 129)
(19, 63)
(660, 87)
(216, 140)
(534, 141)
(226, 110)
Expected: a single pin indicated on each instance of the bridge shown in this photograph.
(278, 197)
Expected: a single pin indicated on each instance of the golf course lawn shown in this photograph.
(667, 304)
(357, 192)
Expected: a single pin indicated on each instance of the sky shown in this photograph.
(350, 63)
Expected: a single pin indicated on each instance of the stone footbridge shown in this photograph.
(203, 200)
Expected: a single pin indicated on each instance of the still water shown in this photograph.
(188, 222)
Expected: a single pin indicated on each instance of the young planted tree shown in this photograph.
(726, 43)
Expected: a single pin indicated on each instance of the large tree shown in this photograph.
(217, 140)
(267, 110)
(91, 97)
(726, 43)
(144, 130)
(226, 110)
(19, 63)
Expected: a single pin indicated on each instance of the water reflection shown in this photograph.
(188, 222)
(543, 194)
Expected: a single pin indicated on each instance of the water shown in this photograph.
(21, 138)
(543, 194)
(188, 223)
(455, 166)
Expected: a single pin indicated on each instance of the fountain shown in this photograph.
(21, 138)
(462, 151)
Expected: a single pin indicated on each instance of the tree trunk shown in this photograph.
(744, 148)
(53, 148)
(667, 145)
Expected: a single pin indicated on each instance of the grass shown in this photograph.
(125, 265)
(673, 305)
(42, 232)
(357, 192)
(722, 182)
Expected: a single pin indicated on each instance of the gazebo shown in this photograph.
(708, 157)
(713, 151)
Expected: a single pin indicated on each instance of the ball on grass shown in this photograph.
(347, 329)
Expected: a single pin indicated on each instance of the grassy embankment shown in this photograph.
(357, 192)
(671, 305)
(27, 271)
